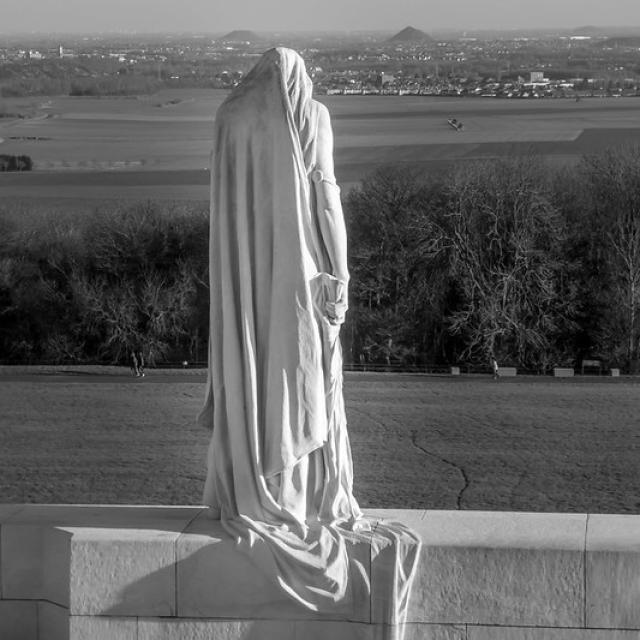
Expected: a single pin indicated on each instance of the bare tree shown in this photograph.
(613, 188)
(396, 286)
(149, 311)
(502, 230)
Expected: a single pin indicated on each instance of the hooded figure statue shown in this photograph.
(279, 465)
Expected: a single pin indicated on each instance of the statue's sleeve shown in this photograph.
(329, 208)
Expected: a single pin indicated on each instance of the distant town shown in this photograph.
(586, 61)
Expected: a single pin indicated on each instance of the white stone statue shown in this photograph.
(279, 462)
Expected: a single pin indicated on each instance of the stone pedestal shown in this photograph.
(169, 573)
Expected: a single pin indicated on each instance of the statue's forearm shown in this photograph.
(330, 216)
(332, 225)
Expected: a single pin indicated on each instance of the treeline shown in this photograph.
(15, 163)
(512, 258)
(84, 77)
(509, 258)
(90, 287)
(96, 77)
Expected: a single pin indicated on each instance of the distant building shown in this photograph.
(537, 76)
(385, 79)
(64, 54)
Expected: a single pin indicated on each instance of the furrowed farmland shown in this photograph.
(158, 146)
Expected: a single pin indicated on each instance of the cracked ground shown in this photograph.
(434, 442)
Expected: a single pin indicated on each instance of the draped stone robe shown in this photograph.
(279, 465)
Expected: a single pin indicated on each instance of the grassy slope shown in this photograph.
(418, 441)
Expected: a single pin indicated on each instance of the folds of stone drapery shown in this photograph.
(280, 472)
(361, 572)
(326, 558)
(332, 561)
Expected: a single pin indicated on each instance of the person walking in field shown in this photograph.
(495, 368)
(137, 362)
(140, 360)
(133, 359)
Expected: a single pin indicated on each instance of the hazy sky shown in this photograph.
(264, 15)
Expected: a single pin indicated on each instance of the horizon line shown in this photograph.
(195, 32)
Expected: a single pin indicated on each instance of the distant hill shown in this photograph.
(409, 34)
(612, 32)
(588, 30)
(241, 36)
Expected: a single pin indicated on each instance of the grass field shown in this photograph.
(534, 444)
(171, 132)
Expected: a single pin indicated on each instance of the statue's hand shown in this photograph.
(336, 310)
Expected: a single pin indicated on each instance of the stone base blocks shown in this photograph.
(170, 573)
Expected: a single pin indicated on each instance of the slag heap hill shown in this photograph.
(409, 34)
(240, 36)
